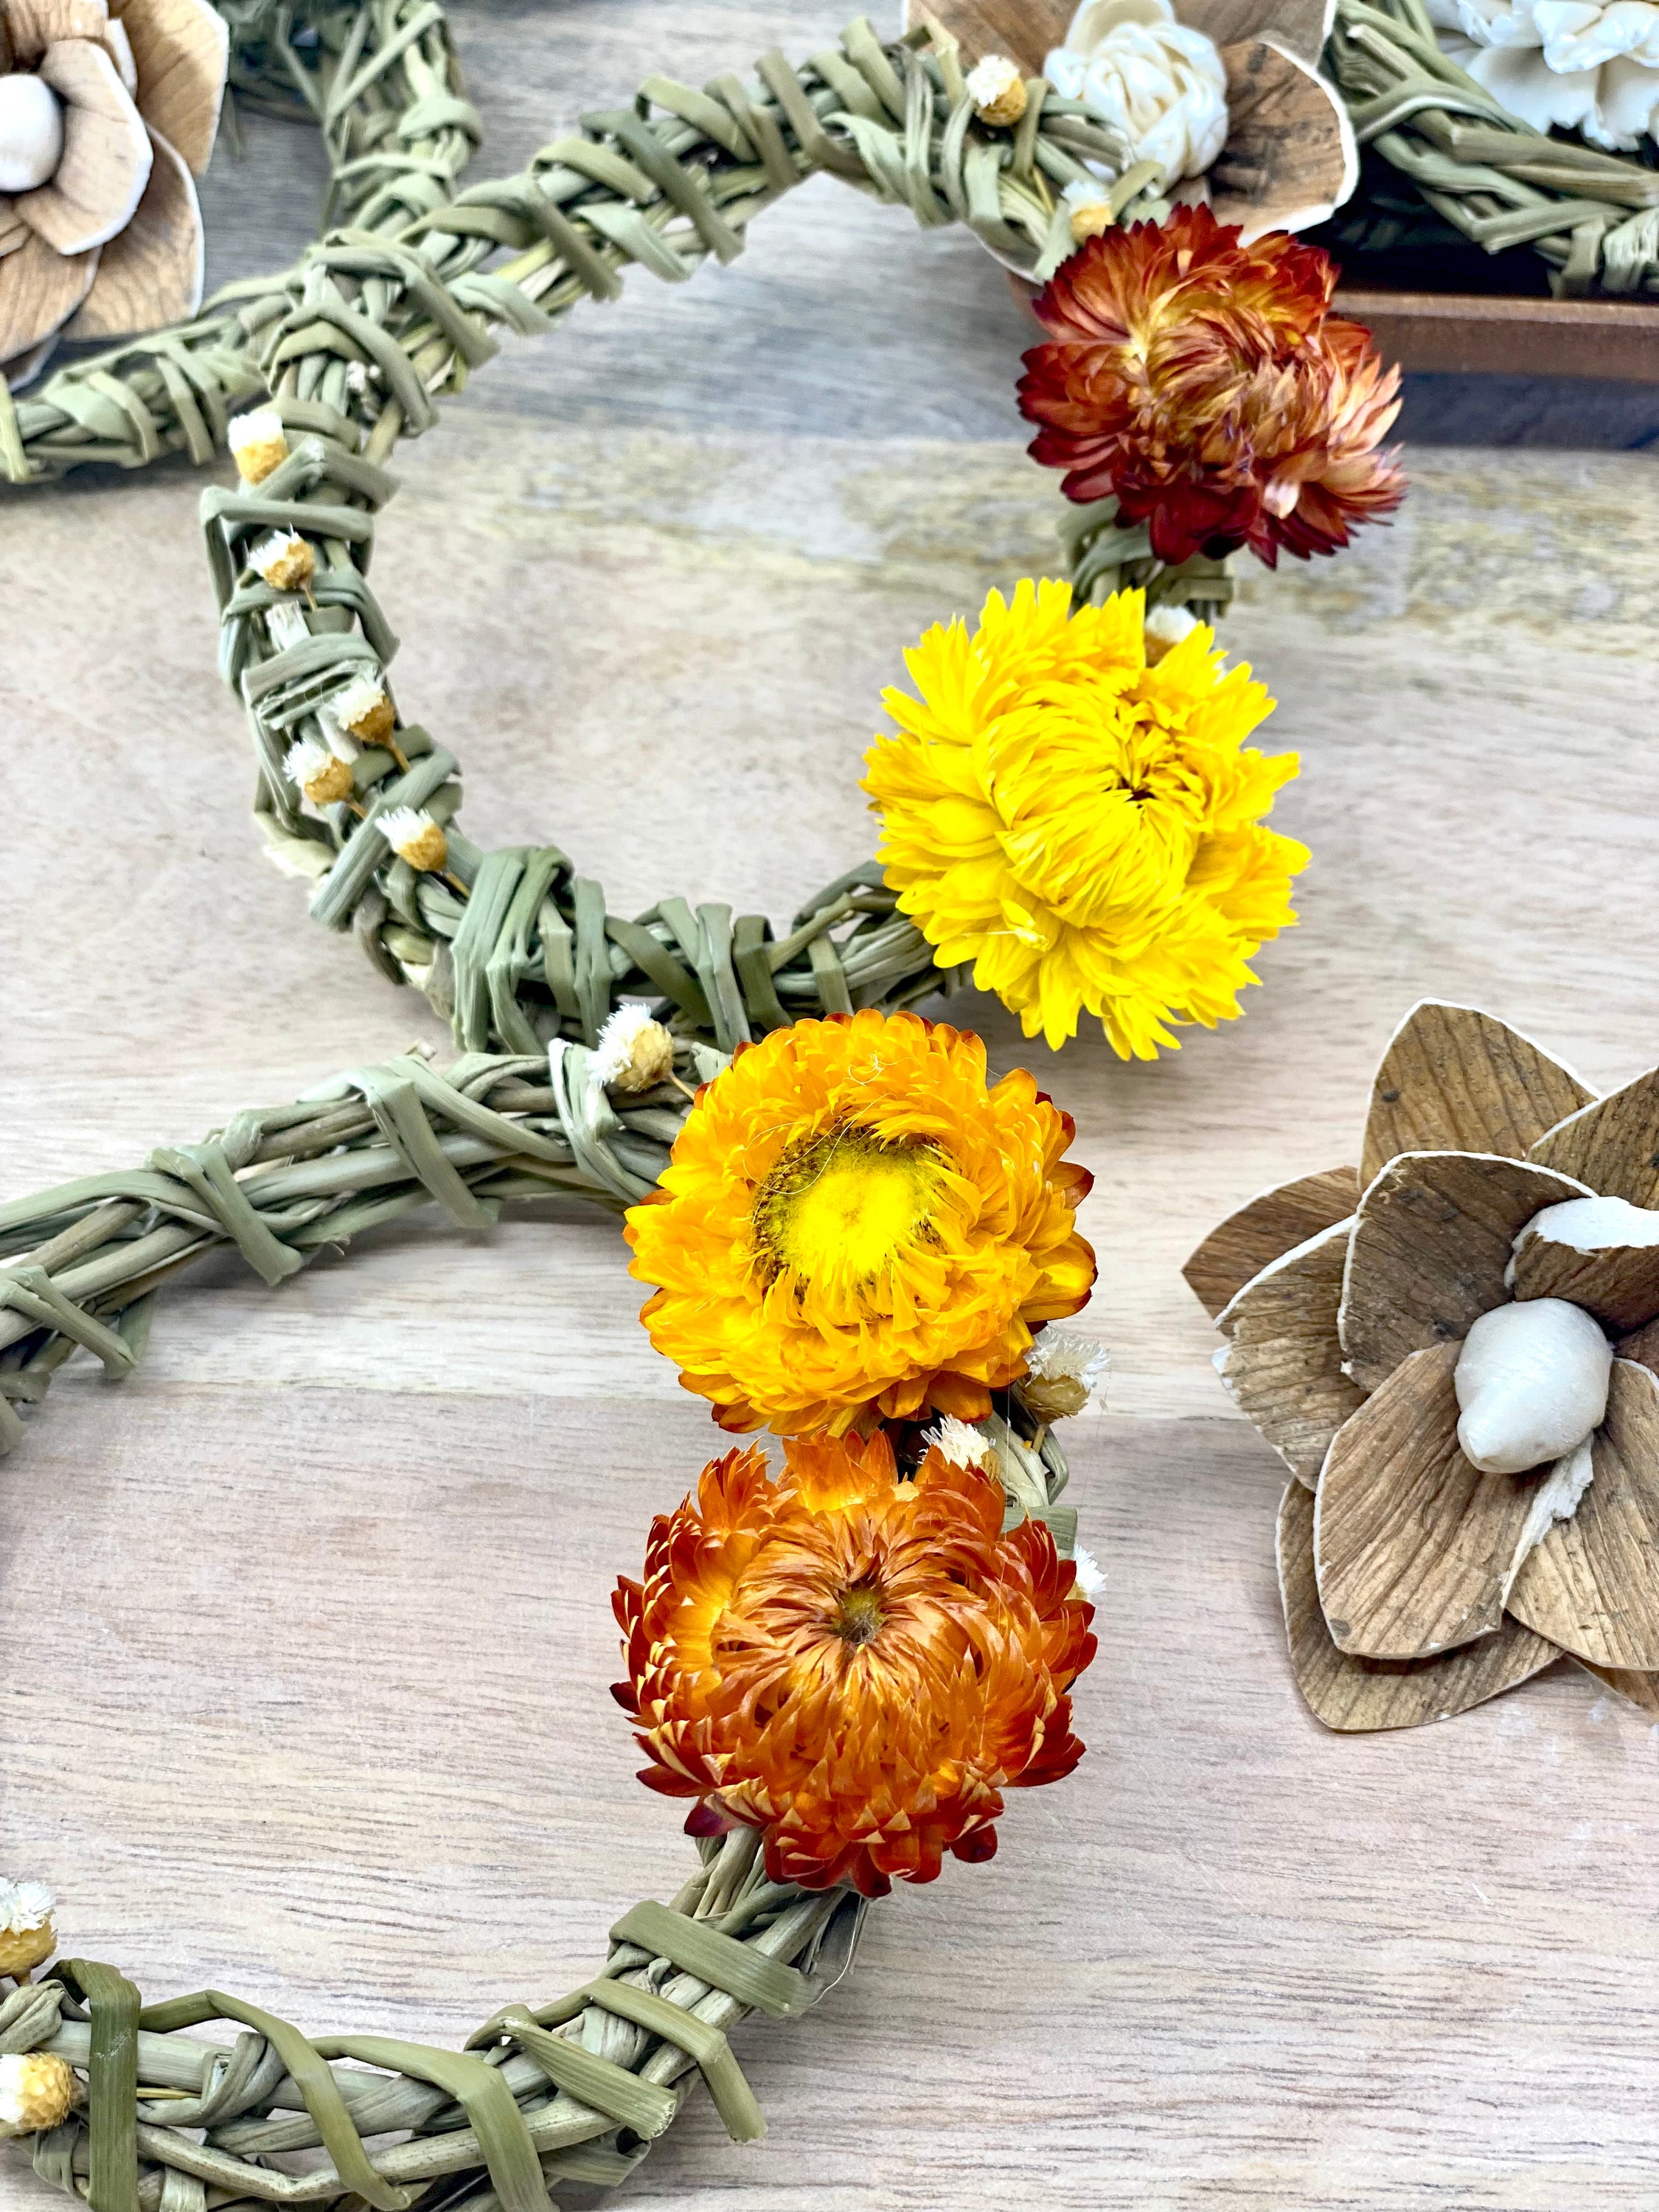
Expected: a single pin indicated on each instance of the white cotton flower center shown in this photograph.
(31, 132)
(1532, 1383)
(1159, 83)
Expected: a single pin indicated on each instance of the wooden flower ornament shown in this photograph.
(1287, 157)
(108, 110)
(1455, 1352)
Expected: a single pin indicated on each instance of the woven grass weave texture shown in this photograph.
(1594, 217)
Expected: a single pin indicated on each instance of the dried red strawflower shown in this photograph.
(1205, 385)
(856, 1665)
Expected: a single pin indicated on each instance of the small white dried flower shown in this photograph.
(323, 776)
(1090, 1579)
(1167, 625)
(1090, 208)
(414, 836)
(258, 443)
(1064, 1372)
(635, 1051)
(285, 560)
(37, 2090)
(997, 90)
(25, 1905)
(357, 376)
(363, 710)
(961, 1444)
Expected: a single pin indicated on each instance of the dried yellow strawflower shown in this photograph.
(285, 560)
(258, 443)
(363, 711)
(414, 836)
(997, 90)
(37, 2090)
(635, 1051)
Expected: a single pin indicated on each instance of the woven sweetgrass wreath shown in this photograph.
(582, 1035)
(1592, 217)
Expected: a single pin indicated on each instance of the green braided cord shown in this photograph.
(80, 1264)
(575, 2090)
(515, 947)
(1592, 217)
(380, 81)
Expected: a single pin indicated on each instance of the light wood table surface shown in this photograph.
(305, 1631)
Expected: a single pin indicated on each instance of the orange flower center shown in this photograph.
(858, 1616)
(840, 1207)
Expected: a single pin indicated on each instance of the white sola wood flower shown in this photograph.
(1585, 65)
(1160, 83)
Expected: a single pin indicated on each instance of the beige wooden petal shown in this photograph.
(1592, 1585)
(116, 45)
(34, 24)
(1613, 1145)
(1430, 1249)
(1290, 159)
(1353, 1695)
(182, 50)
(1415, 1549)
(1262, 1231)
(107, 152)
(14, 231)
(1619, 1284)
(1641, 1345)
(1298, 27)
(39, 290)
(1283, 1365)
(1641, 1689)
(1025, 30)
(152, 273)
(1454, 1080)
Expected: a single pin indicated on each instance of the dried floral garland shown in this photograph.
(899, 1627)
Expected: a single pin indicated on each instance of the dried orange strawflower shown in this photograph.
(854, 1223)
(1204, 385)
(856, 1665)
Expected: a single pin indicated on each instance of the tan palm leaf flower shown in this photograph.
(108, 110)
(1455, 1352)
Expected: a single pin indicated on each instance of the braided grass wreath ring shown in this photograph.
(579, 1031)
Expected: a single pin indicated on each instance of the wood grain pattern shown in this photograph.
(1619, 1284)
(1264, 1231)
(1355, 1695)
(1289, 157)
(1455, 1078)
(1431, 1245)
(151, 272)
(1592, 1584)
(1416, 1549)
(1614, 1145)
(179, 48)
(1283, 1367)
(335, 1568)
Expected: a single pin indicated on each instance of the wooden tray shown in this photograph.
(1487, 334)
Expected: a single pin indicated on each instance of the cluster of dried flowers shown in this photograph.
(857, 1233)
